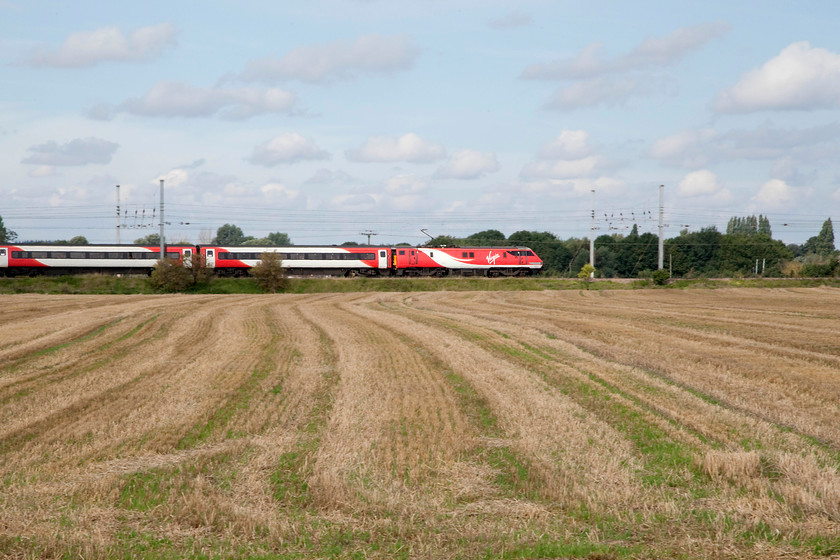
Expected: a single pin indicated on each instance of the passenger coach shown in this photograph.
(31, 260)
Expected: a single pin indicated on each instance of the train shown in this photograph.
(298, 260)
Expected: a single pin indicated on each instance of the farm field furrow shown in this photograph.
(571, 424)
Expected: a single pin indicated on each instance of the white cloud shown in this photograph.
(408, 148)
(512, 21)
(81, 151)
(569, 144)
(685, 149)
(176, 99)
(405, 185)
(326, 176)
(290, 147)
(601, 91)
(278, 193)
(701, 147)
(800, 77)
(563, 169)
(651, 52)
(775, 194)
(338, 60)
(569, 156)
(42, 171)
(468, 164)
(105, 45)
(703, 183)
(174, 178)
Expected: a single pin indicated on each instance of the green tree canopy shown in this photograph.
(741, 253)
(151, 240)
(444, 241)
(6, 235)
(749, 225)
(230, 234)
(489, 237)
(693, 254)
(822, 244)
(279, 239)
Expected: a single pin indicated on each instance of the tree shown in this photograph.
(822, 244)
(151, 240)
(738, 254)
(693, 254)
(269, 272)
(489, 237)
(749, 225)
(6, 235)
(279, 239)
(79, 240)
(587, 272)
(635, 253)
(230, 234)
(444, 241)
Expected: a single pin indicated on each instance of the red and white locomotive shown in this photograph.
(29, 260)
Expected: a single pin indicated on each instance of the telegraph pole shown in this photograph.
(162, 239)
(592, 233)
(661, 226)
(118, 214)
(368, 233)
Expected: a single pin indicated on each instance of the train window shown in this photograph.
(78, 255)
(432, 254)
(402, 252)
(96, 255)
(382, 254)
(172, 254)
(39, 255)
(2, 252)
(209, 252)
(472, 255)
(58, 255)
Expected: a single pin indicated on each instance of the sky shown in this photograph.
(399, 120)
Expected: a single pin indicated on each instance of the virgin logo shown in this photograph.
(491, 258)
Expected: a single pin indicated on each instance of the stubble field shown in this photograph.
(623, 424)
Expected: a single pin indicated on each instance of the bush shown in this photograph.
(170, 275)
(816, 270)
(270, 274)
(660, 277)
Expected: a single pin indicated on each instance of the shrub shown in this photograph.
(269, 273)
(170, 275)
(660, 277)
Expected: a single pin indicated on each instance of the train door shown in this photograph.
(210, 258)
(383, 258)
(186, 258)
(412, 257)
(4, 257)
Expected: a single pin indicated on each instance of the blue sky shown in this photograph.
(325, 119)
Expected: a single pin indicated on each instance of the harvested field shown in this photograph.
(608, 424)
